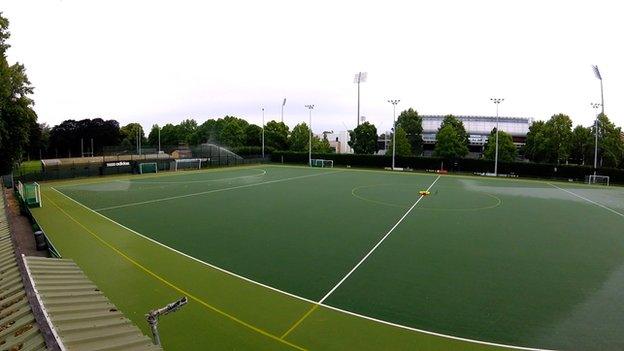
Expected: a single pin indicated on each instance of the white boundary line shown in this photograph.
(296, 296)
(210, 191)
(376, 245)
(588, 200)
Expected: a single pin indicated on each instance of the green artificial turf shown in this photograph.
(503, 261)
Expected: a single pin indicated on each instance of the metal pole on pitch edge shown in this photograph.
(497, 101)
(310, 107)
(394, 103)
(595, 106)
(263, 132)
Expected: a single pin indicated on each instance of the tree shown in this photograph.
(130, 131)
(233, 132)
(610, 143)
(582, 145)
(36, 144)
(17, 116)
(451, 139)
(253, 135)
(557, 138)
(169, 135)
(403, 146)
(186, 130)
(321, 145)
(276, 135)
(299, 138)
(152, 137)
(457, 125)
(411, 123)
(364, 139)
(507, 151)
(65, 138)
(535, 146)
(450, 144)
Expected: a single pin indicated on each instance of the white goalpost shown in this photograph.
(597, 179)
(187, 163)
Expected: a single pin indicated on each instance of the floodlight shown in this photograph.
(597, 72)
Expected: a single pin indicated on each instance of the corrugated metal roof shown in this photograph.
(81, 316)
(18, 327)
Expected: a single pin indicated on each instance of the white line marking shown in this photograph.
(377, 245)
(588, 200)
(293, 295)
(211, 191)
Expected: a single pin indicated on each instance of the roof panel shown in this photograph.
(82, 317)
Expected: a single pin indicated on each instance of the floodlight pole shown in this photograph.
(394, 103)
(263, 132)
(360, 77)
(283, 104)
(599, 76)
(497, 101)
(596, 106)
(158, 141)
(310, 107)
(139, 139)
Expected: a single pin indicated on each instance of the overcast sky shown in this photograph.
(164, 61)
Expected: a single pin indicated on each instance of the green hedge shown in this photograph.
(523, 169)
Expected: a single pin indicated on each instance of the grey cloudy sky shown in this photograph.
(164, 61)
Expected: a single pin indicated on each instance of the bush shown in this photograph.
(522, 169)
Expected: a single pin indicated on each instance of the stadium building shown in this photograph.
(478, 129)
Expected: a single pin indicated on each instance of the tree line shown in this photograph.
(72, 137)
(552, 141)
(451, 139)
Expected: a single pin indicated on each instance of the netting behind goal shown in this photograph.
(148, 167)
(597, 179)
(188, 163)
(316, 162)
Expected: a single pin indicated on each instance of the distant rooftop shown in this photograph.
(482, 118)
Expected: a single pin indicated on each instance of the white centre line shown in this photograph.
(588, 200)
(376, 245)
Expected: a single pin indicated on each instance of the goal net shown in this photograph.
(597, 179)
(30, 194)
(187, 163)
(317, 162)
(148, 167)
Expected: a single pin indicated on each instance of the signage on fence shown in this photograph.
(117, 164)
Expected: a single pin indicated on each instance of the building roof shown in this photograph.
(483, 118)
(18, 326)
(82, 318)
